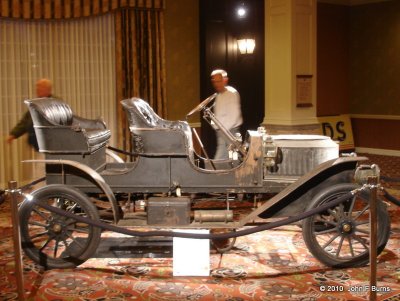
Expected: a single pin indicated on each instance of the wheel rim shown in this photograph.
(54, 236)
(342, 232)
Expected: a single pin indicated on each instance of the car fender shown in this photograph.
(97, 178)
(303, 185)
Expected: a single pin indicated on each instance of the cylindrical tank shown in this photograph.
(202, 216)
(302, 153)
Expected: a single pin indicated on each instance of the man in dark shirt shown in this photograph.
(25, 125)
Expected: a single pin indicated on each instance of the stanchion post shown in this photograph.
(373, 181)
(14, 194)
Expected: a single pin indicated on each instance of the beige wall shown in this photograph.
(182, 57)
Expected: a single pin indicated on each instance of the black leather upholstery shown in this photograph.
(159, 136)
(59, 131)
(97, 137)
(141, 115)
(55, 111)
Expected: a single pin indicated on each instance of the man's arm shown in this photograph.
(22, 126)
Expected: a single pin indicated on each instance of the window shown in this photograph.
(77, 55)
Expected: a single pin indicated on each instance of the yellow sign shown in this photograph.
(339, 129)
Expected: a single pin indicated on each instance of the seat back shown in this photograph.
(154, 135)
(50, 111)
(141, 115)
(58, 131)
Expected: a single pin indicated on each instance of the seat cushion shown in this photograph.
(97, 138)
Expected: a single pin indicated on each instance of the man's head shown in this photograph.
(43, 87)
(219, 79)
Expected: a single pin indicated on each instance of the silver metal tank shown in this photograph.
(302, 153)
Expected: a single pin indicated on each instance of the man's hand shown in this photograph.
(10, 139)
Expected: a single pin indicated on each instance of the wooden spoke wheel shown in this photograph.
(56, 241)
(339, 237)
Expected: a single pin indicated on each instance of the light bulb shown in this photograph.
(241, 12)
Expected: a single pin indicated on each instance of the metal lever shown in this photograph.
(14, 194)
(202, 148)
(373, 253)
(227, 134)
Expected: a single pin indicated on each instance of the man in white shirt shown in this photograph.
(227, 110)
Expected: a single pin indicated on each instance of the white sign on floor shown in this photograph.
(191, 257)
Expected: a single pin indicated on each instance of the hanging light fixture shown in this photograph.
(246, 46)
(241, 12)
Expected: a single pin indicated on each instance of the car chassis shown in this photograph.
(171, 179)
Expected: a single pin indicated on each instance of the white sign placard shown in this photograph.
(191, 257)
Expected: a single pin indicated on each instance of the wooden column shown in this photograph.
(290, 60)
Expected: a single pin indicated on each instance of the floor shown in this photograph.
(269, 265)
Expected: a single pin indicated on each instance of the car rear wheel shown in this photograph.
(56, 241)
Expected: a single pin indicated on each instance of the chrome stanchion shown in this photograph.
(14, 195)
(373, 182)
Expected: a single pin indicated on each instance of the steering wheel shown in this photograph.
(201, 105)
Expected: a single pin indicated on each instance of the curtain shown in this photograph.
(77, 55)
(67, 9)
(94, 62)
(140, 62)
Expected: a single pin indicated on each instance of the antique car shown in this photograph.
(165, 184)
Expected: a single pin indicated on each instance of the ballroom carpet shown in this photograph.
(271, 265)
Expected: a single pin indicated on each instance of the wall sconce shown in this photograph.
(246, 46)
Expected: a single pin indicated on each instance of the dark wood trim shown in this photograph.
(304, 105)
(376, 133)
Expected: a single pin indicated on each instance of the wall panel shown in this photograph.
(182, 57)
(374, 58)
(376, 133)
(332, 60)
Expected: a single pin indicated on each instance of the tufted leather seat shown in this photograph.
(157, 135)
(59, 131)
(55, 111)
(141, 115)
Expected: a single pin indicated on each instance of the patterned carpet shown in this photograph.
(271, 265)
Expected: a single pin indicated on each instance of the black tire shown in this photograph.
(344, 226)
(67, 243)
(224, 245)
